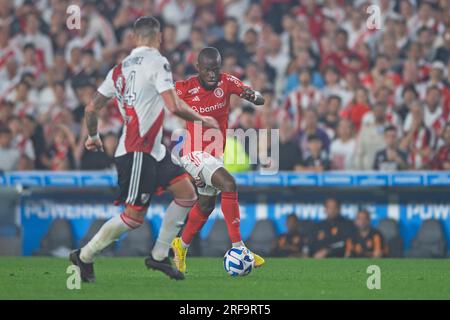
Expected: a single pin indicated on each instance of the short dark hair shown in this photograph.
(230, 19)
(410, 87)
(5, 130)
(364, 211)
(314, 137)
(390, 128)
(146, 27)
(335, 97)
(338, 203)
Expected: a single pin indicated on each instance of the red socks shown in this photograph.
(194, 224)
(230, 209)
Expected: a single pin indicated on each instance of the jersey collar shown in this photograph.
(142, 48)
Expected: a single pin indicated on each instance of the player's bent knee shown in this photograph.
(133, 216)
(229, 185)
(187, 203)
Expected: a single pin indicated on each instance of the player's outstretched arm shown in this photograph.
(182, 110)
(252, 96)
(93, 142)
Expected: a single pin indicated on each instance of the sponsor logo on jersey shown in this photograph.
(194, 90)
(218, 92)
(233, 79)
(196, 98)
(214, 107)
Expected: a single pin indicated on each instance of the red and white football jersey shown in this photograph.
(137, 82)
(214, 103)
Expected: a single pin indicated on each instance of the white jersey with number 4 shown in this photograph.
(137, 82)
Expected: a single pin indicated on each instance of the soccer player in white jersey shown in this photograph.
(143, 85)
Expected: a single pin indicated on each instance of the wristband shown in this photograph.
(257, 94)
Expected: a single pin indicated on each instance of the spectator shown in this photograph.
(331, 234)
(305, 96)
(290, 154)
(343, 148)
(434, 115)
(101, 160)
(418, 140)
(317, 159)
(60, 154)
(180, 14)
(441, 160)
(230, 40)
(370, 139)
(356, 110)
(331, 118)
(32, 34)
(292, 243)
(9, 156)
(365, 242)
(311, 127)
(391, 158)
(409, 94)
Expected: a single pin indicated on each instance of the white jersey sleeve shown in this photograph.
(107, 87)
(163, 75)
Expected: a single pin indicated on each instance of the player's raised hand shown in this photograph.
(210, 122)
(94, 144)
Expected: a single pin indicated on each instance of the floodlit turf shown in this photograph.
(127, 278)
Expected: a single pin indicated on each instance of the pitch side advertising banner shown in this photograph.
(82, 208)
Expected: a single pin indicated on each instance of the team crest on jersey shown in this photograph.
(179, 92)
(167, 67)
(145, 197)
(218, 92)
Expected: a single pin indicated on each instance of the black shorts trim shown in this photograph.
(140, 176)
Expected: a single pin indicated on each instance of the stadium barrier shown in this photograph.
(82, 197)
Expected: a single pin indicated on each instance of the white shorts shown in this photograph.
(201, 165)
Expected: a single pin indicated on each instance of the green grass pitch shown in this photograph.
(127, 278)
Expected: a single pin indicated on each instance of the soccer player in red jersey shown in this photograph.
(142, 84)
(208, 93)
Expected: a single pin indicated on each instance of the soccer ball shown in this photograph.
(238, 261)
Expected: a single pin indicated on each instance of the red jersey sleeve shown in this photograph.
(234, 85)
(180, 88)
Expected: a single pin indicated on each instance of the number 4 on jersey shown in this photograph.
(130, 94)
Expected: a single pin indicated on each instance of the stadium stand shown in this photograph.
(325, 75)
(430, 241)
(321, 69)
(137, 243)
(217, 242)
(262, 237)
(93, 229)
(390, 231)
(58, 241)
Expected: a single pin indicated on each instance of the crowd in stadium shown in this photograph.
(343, 96)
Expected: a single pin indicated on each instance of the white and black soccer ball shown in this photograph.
(238, 261)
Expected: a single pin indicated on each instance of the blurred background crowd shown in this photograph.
(344, 96)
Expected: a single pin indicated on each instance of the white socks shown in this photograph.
(109, 232)
(172, 222)
(238, 244)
